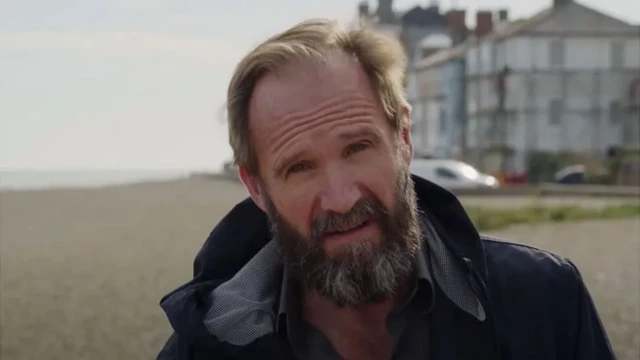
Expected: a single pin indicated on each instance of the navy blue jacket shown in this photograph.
(536, 302)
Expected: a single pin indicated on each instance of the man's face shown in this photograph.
(334, 180)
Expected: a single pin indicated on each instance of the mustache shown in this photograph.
(365, 209)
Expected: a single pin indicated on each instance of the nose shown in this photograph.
(341, 192)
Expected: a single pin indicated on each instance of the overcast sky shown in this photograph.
(140, 84)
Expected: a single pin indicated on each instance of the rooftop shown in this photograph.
(501, 31)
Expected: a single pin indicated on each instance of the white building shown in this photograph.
(571, 71)
(430, 108)
(439, 106)
(422, 31)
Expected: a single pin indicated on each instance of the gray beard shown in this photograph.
(361, 273)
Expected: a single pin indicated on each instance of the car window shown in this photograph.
(446, 173)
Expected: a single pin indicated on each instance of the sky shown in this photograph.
(141, 84)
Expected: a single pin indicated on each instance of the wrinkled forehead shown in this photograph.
(302, 85)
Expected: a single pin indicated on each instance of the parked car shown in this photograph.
(573, 174)
(452, 174)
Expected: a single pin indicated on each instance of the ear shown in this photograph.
(405, 134)
(253, 185)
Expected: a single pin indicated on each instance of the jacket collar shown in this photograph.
(452, 223)
(232, 244)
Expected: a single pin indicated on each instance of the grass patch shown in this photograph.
(491, 219)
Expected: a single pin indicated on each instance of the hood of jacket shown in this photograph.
(244, 231)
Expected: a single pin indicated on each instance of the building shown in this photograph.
(439, 109)
(559, 81)
(410, 27)
(439, 105)
(422, 31)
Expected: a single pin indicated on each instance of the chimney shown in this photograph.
(455, 19)
(557, 3)
(457, 25)
(363, 9)
(385, 11)
(503, 15)
(484, 23)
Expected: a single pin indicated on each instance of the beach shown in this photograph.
(82, 270)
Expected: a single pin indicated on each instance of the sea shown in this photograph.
(51, 179)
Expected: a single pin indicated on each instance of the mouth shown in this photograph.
(350, 229)
(335, 240)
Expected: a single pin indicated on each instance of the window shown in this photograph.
(555, 112)
(616, 54)
(614, 112)
(443, 121)
(446, 173)
(556, 53)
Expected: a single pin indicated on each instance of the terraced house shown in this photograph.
(563, 80)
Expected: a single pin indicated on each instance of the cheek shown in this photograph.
(378, 176)
(296, 206)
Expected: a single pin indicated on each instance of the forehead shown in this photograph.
(302, 86)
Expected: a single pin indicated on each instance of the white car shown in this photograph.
(451, 174)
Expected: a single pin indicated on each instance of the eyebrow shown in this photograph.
(358, 133)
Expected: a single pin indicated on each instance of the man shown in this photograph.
(340, 253)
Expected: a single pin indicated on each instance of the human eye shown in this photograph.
(357, 147)
(297, 168)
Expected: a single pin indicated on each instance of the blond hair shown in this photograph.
(381, 57)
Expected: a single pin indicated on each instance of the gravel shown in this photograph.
(82, 271)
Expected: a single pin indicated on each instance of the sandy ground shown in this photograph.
(81, 271)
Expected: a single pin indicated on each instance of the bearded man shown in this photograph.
(340, 253)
